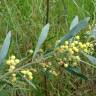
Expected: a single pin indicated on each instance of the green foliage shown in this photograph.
(4, 93)
(75, 30)
(91, 59)
(76, 71)
(25, 18)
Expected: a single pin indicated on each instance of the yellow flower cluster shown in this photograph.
(86, 47)
(75, 46)
(71, 49)
(73, 60)
(12, 62)
(47, 66)
(27, 73)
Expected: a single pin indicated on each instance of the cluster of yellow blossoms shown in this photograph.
(27, 73)
(67, 54)
(75, 46)
(47, 66)
(12, 62)
(71, 50)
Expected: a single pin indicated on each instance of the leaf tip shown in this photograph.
(88, 18)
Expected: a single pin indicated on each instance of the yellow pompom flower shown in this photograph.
(62, 46)
(77, 37)
(75, 64)
(72, 44)
(88, 44)
(84, 45)
(14, 79)
(53, 72)
(85, 50)
(17, 61)
(12, 57)
(91, 45)
(66, 43)
(27, 73)
(31, 51)
(75, 42)
(75, 49)
(71, 51)
(8, 62)
(30, 77)
(66, 65)
(23, 71)
(13, 74)
(12, 62)
(81, 45)
(12, 67)
(77, 58)
(66, 46)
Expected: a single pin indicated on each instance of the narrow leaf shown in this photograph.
(93, 33)
(28, 81)
(31, 84)
(74, 22)
(81, 25)
(76, 71)
(42, 38)
(75, 3)
(5, 47)
(90, 58)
